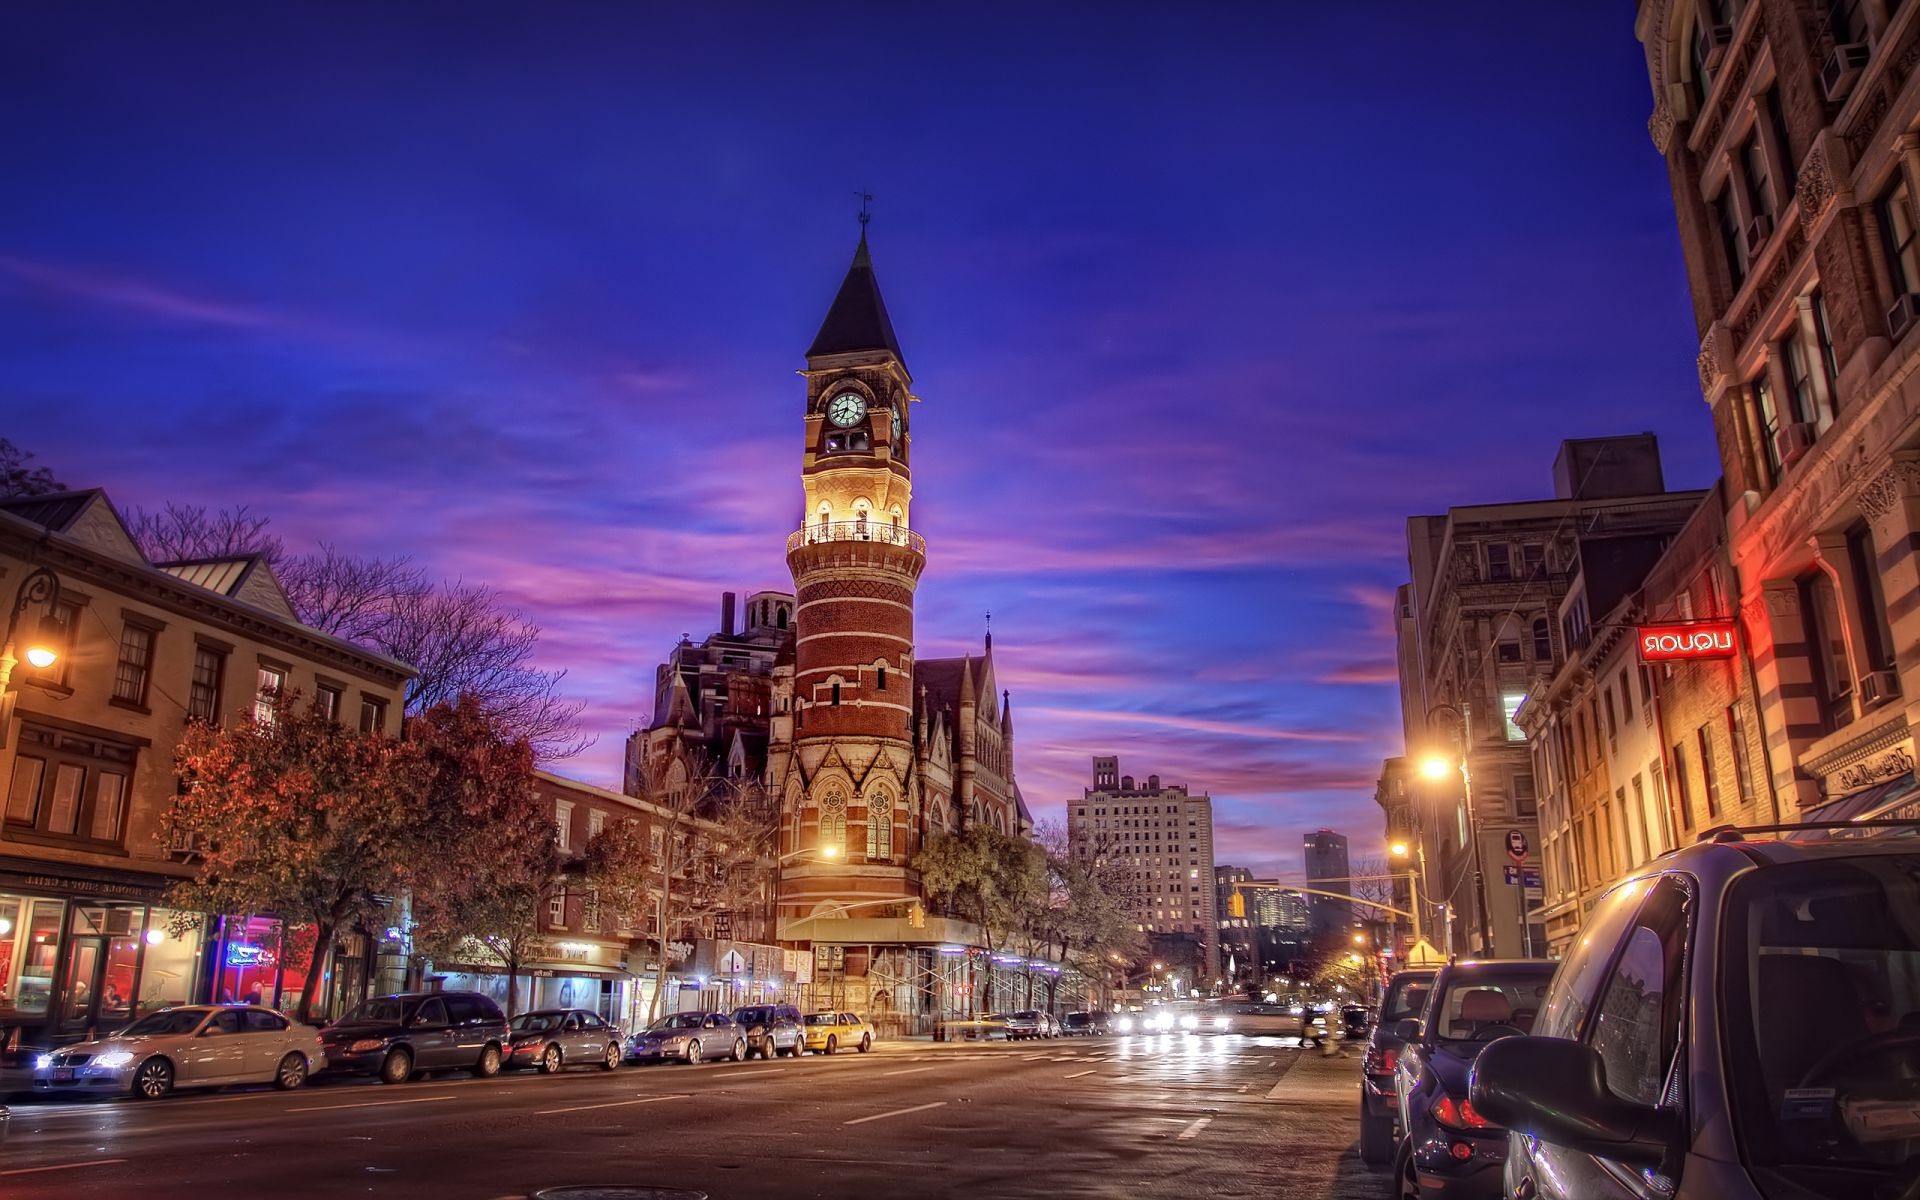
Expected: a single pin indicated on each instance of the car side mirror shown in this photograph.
(1407, 1029)
(1556, 1090)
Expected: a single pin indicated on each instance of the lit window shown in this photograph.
(268, 685)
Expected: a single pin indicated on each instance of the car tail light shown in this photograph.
(1381, 1061)
(1459, 1114)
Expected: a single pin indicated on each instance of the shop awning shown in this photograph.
(1872, 803)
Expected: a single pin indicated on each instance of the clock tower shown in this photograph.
(849, 793)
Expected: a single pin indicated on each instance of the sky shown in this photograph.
(1201, 301)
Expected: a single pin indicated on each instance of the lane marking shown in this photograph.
(1031, 1057)
(370, 1104)
(1193, 1131)
(909, 1071)
(1078, 1074)
(898, 1112)
(90, 1162)
(548, 1112)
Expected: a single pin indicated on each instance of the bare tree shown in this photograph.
(18, 478)
(347, 595)
(181, 531)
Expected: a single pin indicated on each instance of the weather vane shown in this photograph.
(866, 210)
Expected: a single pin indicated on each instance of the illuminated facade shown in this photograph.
(1164, 834)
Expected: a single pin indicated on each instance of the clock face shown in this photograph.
(896, 429)
(846, 409)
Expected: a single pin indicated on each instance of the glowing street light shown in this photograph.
(1437, 766)
(1399, 849)
(37, 639)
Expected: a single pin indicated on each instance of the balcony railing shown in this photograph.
(856, 531)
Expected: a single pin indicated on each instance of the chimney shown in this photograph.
(726, 614)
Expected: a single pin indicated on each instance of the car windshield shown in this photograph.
(170, 1020)
(821, 1019)
(535, 1022)
(675, 1021)
(1822, 970)
(1029, 1015)
(753, 1016)
(1406, 998)
(1484, 1002)
(382, 1010)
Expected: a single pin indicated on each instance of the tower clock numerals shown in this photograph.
(896, 430)
(846, 409)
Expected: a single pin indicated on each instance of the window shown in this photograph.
(1732, 239)
(1613, 727)
(1823, 333)
(1533, 558)
(596, 821)
(269, 683)
(1542, 641)
(563, 824)
(203, 694)
(1626, 698)
(881, 682)
(1682, 800)
(1510, 652)
(1636, 1027)
(1871, 596)
(1698, 49)
(1510, 703)
(373, 714)
(69, 787)
(836, 693)
(1770, 425)
(1641, 816)
(135, 665)
(1897, 238)
(557, 909)
(1646, 695)
(1797, 365)
(1826, 650)
(1499, 561)
(1737, 742)
(833, 822)
(1753, 160)
(326, 697)
(1526, 802)
(879, 827)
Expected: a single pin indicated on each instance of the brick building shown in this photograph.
(1164, 834)
(1791, 134)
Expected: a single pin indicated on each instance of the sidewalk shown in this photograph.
(1319, 1080)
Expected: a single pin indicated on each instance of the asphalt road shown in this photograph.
(1167, 1115)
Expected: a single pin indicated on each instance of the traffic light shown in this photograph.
(917, 915)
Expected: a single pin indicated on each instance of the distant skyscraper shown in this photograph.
(1164, 834)
(1327, 871)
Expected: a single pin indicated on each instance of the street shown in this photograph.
(1169, 1115)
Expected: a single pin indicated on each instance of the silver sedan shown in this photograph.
(200, 1045)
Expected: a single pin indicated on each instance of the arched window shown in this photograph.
(879, 826)
(833, 822)
(880, 682)
(783, 616)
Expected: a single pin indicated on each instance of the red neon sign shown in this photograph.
(1665, 643)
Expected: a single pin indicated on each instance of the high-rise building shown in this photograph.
(1164, 835)
(1789, 134)
(1327, 871)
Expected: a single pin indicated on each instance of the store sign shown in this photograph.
(1671, 643)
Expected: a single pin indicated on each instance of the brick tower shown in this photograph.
(855, 561)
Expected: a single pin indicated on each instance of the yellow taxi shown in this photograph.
(828, 1032)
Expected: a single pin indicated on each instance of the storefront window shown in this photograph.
(29, 944)
(167, 975)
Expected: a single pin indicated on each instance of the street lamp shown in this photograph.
(1437, 767)
(827, 851)
(38, 640)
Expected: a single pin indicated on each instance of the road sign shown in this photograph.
(1530, 878)
(1516, 845)
(1511, 875)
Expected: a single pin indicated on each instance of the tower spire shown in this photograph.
(857, 321)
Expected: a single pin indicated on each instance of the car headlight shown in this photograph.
(43, 1062)
(114, 1058)
(1222, 1023)
(1124, 1024)
(1189, 1022)
(364, 1045)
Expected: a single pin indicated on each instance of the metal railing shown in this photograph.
(856, 531)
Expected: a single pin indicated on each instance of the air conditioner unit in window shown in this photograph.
(1842, 68)
(1791, 444)
(1719, 37)
(1901, 316)
(1879, 687)
(1758, 231)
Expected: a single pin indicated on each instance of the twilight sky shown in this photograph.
(1202, 300)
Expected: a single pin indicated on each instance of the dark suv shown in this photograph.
(1739, 1020)
(1449, 1151)
(397, 1037)
(1405, 997)
(771, 1029)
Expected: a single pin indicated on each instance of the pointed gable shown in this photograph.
(86, 516)
(857, 320)
(247, 578)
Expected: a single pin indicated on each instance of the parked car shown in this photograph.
(1448, 1150)
(1741, 1019)
(198, 1045)
(411, 1033)
(1028, 1023)
(827, 1032)
(1405, 996)
(1355, 1021)
(551, 1038)
(771, 1029)
(689, 1037)
(1085, 1024)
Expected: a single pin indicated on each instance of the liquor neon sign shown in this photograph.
(1666, 643)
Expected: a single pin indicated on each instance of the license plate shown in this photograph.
(63, 1074)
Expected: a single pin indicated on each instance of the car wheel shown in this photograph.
(866, 1042)
(612, 1061)
(291, 1073)
(1376, 1138)
(739, 1050)
(831, 1046)
(1406, 1180)
(397, 1067)
(550, 1059)
(693, 1053)
(489, 1064)
(154, 1079)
